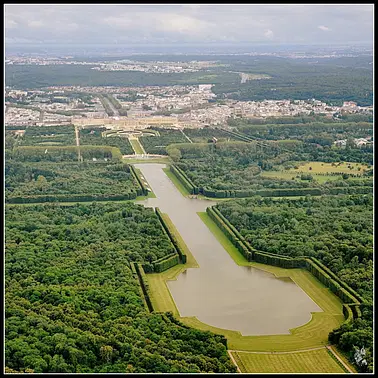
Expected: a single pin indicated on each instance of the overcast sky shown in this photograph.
(190, 23)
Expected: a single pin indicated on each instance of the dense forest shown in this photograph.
(336, 230)
(238, 165)
(332, 81)
(48, 135)
(73, 305)
(33, 76)
(296, 79)
(313, 132)
(68, 179)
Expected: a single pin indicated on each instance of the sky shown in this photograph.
(188, 24)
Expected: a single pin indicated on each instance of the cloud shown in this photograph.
(35, 24)
(10, 24)
(269, 34)
(189, 23)
(324, 28)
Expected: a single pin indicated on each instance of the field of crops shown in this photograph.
(312, 361)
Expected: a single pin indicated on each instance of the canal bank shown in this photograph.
(220, 293)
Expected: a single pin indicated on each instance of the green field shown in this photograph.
(136, 146)
(319, 171)
(312, 361)
(319, 167)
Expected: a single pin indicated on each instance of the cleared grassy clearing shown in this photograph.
(314, 361)
(319, 167)
(319, 171)
(136, 146)
(176, 182)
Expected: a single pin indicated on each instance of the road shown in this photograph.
(115, 111)
(186, 136)
(78, 143)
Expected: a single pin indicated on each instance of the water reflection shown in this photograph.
(221, 293)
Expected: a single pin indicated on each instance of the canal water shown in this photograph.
(220, 292)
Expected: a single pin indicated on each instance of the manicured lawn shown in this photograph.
(136, 146)
(314, 361)
(319, 167)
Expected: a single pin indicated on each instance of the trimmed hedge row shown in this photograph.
(195, 188)
(283, 262)
(139, 180)
(262, 192)
(75, 197)
(337, 279)
(184, 180)
(293, 192)
(328, 281)
(350, 190)
(315, 267)
(348, 314)
(356, 310)
(171, 236)
(166, 263)
(144, 285)
(242, 248)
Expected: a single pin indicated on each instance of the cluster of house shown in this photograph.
(358, 142)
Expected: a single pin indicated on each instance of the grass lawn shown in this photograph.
(136, 146)
(318, 171)
(319, 167)
(176, 182)
(313, 361)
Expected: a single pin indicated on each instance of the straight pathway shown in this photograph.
(339, 359)
(186, 136)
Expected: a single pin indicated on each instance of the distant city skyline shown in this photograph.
(187, 24)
